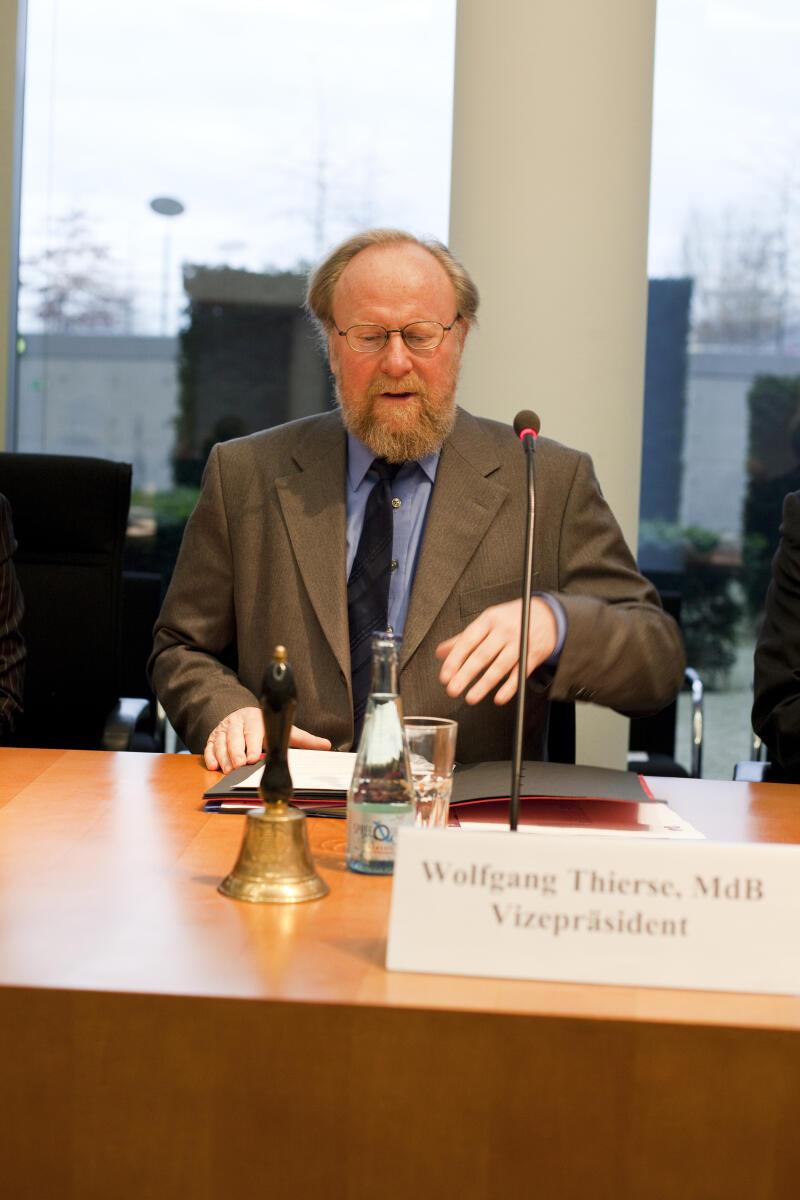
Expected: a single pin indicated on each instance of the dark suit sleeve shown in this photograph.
(776, 704)
(621, 649)
(12, 646)
(191, 667)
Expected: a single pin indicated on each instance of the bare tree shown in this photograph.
(746, 268)
(74, 282)
(738, 294)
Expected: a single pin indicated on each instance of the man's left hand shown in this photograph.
(486, 653)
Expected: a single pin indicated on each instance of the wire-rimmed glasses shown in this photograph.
(419, 336)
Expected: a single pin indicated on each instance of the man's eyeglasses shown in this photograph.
(418, 336)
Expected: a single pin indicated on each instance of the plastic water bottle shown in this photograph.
(381, 795)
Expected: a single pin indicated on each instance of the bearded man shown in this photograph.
(400, 510)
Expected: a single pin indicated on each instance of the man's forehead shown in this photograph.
(380, 274)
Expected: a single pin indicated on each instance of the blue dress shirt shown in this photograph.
(411, 494)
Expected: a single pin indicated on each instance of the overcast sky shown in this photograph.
(281, 127)
(726, 113)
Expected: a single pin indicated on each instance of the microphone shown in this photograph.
(526, 427)
(527, 424)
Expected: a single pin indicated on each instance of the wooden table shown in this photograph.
(159, 1040)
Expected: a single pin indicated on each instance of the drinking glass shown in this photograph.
(431, 748)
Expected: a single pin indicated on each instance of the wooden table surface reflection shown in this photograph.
(155, 1036)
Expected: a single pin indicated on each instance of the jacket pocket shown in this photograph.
(474, 601)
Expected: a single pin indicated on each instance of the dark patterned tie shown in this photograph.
(368, 585)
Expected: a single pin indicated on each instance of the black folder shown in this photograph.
(472, 783)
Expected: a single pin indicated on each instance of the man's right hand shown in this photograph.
(239, 739)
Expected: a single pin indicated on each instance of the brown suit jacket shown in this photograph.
(263, 563)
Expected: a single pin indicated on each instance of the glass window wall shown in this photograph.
(183, 164)
(722, 406)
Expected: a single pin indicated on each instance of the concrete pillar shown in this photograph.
(549, 210)
(11, 24)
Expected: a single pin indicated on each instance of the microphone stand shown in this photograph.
(529, 442)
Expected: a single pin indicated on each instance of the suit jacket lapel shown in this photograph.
(463, 505)
(312, 499)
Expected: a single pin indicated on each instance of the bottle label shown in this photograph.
(372, 831)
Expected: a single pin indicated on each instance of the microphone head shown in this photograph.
(526, 422)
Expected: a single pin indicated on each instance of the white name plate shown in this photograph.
(586, 910)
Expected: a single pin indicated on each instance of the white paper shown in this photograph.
(312, 771)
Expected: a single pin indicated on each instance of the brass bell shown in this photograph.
(275, 864)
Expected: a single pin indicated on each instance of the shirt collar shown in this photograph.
(359, 461)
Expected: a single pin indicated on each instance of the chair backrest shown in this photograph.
(70, 515)
(561, 732)
(656, 734)
(142, 594)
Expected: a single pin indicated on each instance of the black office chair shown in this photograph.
(70, 515)
(651, 746)
(137, 722)
(561, 732)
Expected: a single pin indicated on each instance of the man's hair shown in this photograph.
(322, 281)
